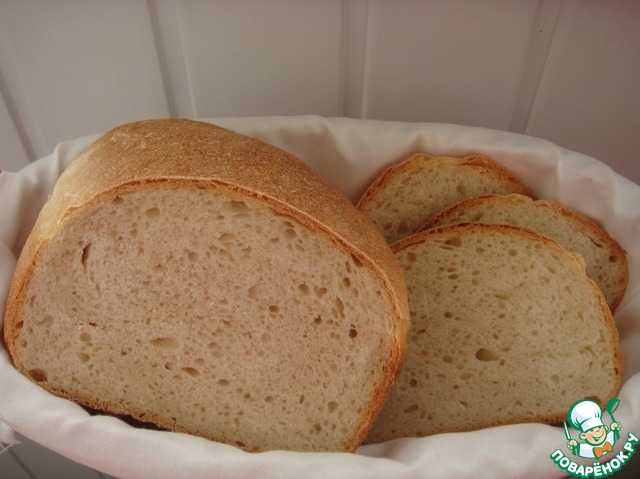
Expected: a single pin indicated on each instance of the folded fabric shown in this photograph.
(349, 153)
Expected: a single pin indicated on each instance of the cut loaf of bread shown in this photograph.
(209, 283)
(605, 259)
(506, 328)
(403, 198)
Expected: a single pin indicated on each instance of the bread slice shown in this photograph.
(209, 283)
(506, 328)
(605, 259)
(407, 194)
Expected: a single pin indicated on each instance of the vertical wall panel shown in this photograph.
(13, 154)
(10, 467)
(459, 62)
(251, 57)
(42, 463)
(589, 96)
(75, 67)
(355, 57)
(172, 55)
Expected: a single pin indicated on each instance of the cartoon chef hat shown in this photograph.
(585, 415)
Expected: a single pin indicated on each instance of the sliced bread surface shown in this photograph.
(506, 328)
(405, 195)
(605, 259)
(209, 283)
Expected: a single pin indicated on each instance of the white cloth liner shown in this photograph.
(350, 153)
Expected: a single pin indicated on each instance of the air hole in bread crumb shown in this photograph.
(413, 383)
(38, 375)
(117, 200)
(274, 308)
(151, 212)
(304, 289)
(45, 322)
(484, 354)
(356, 261)
(85, 337)
(447, 359)
(164, 342)
(512, 252)
(410, 409)
(353, 333)
(454, 241)
(403, 227)
(339, 307)
(252, 292)
(268, 399)
(320, 292)
(317, 320)
(464, 403)
(190, 371)
(226, 237)
(332, 406)
(85, 254)
(223, 382)
(235, 206)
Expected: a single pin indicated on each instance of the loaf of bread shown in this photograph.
(403, 198)
(605, 259)
(506, 328)
(191, 277)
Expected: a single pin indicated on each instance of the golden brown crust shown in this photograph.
(144, 154)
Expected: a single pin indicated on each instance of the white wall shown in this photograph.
(563, 70)
(568, 71)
